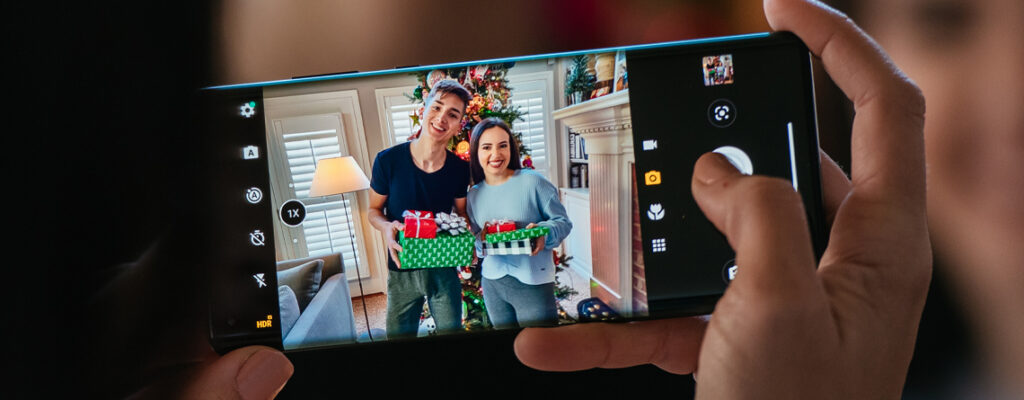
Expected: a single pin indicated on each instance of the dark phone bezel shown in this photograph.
(703, 305)
(687, 306)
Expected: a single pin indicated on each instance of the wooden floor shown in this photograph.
(376, 304)
(376, 308)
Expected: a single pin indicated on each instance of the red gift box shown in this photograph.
(501, 226)
(420, 224)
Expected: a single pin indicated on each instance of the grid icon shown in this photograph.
(658, 245)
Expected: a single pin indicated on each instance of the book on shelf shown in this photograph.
(572, 146)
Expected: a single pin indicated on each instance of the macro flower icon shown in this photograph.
(655, 212)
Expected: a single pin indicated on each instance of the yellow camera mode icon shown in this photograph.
(652, 178)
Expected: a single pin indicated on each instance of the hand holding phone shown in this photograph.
(846, 328)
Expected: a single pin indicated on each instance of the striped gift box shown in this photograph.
(518, 234)
(521, 246)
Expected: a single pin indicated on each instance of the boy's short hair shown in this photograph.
(449, 86)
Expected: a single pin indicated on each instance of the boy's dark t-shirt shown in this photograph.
(410, 188)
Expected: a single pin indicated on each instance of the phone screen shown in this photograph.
(751, 103)
(597, 223)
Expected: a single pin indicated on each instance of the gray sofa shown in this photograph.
(316, 306)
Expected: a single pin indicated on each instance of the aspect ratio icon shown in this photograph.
(652, 177)
(253, 195)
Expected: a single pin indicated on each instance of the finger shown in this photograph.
(763, 219)
(395, 246)
(394, 256)
(835, 185)
(671, 344)
(538, 245)
(887, 141)
(398, 225)
(531, 225)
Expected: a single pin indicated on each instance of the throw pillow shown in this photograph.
(289, 306)
(304, 280)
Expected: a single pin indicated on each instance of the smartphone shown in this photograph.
(612, 134)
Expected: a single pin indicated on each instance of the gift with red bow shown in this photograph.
(419, 224)
(500, 225)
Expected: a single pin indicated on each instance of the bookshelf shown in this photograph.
(599, 145)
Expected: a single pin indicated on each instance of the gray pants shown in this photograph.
(406, 290)
(511, 303)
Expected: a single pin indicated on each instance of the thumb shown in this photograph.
(763, 218)
(253, 372)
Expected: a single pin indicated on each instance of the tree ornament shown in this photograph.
(462, 148)
(527, 162)
(435, 76)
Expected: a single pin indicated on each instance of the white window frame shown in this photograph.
(386, 98)
(352, 141)
(551, 134)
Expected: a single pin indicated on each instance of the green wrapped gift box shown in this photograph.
(443, 251)
(518, 234)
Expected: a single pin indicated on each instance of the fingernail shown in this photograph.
(712, 167)
(263, 375)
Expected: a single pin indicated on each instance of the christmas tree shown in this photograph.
(491, 98)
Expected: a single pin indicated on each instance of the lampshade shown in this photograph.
(336, 176)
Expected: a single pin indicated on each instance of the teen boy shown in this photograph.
(422, 175)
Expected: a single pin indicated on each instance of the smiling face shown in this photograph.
(442, 117)
(495, 151)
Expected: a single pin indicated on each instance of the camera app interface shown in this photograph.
(751, 105)
(462, 198)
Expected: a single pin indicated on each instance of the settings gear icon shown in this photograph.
(248, 109)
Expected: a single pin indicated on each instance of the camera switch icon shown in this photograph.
(729, 271)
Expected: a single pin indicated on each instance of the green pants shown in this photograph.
(407, 290)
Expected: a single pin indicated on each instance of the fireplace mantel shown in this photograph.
(606, 126)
